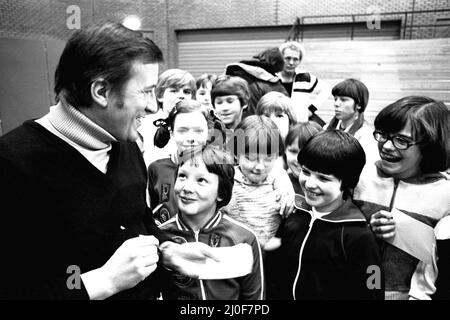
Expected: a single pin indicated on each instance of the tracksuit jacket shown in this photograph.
(427, 200)
(219, 231)
(331, 257)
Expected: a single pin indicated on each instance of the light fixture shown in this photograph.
(132, 22)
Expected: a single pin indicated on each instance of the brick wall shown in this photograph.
(46, 19)
(34, 19)
(151, 13)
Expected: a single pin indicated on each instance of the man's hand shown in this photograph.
(383, 224)
(131, 263)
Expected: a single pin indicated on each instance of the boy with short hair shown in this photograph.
(230, 96)
(351, 97)
(204, 184)
(327, 250)
(204, 86)
(174, 85)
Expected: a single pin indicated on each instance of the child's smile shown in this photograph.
(322, 191)
(229, 110)
(196, 190)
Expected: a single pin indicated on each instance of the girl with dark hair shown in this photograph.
(189, 124)
(404, 195)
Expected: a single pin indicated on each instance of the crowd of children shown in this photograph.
(335, 211)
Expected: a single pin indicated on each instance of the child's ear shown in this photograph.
(219, 199)
(245, 107)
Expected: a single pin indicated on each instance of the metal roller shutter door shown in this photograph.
(202, 51)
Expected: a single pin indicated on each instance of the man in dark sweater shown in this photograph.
(72, 183)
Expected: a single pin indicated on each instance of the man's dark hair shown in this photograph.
(101, 51)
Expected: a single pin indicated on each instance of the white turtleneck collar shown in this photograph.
(75, 128)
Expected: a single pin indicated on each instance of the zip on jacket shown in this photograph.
(202, 287)
(300, 254)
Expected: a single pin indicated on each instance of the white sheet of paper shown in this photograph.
(413, 236)
(235, 261)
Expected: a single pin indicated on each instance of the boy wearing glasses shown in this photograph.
(404, 195)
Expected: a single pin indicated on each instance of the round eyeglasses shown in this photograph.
(400, 142)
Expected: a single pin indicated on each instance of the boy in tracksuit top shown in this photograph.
(203, 185)
(327, 250)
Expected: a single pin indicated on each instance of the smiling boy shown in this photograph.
(230, 96)
(327, 249)
(204, 184)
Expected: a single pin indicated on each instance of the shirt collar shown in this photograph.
(347, 212)
(211, 223)
(351, 129)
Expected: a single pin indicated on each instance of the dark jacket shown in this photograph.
(260, 81)
(443, 264)
(332, 257)
(219, 231)
(161, 180)
(58, 211)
